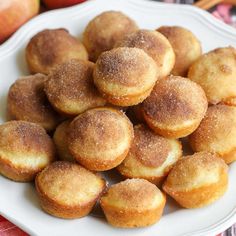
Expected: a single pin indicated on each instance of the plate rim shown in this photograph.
(206, 18)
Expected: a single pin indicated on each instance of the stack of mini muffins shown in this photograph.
(121, 100)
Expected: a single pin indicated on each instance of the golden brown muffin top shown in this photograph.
(125, 70)
(24, 137)
(25, 145)
(98, 131)
(133, 194)
(217, 54)
(215, 71)
(217, 131)
(51, 47)
(69, 183)
(27, 101)
(197, 170)
(105, 30)
(122, 66)
(186, 46)
(149, 148)
(175, 99)
(70, 87)
(152, 42)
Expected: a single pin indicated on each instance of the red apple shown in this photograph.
(14, 13)
(53, 4)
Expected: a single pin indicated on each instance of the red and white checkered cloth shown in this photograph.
(9, 229)
(221, 12)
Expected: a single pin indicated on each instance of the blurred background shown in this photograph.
(223, 10)
(14, 13)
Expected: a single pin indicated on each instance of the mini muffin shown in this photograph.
(197, 180)
(70, 88)
(215, 71)
(125, 76)
(217, 132)
(155, 45)
(25, 149)
(151, 156)
(60, 140)
(133, 203)
(175, 107)
(27, 101)
(105, 30)
(186, 46)
(51, 47)
(67, 190)
(100, 138)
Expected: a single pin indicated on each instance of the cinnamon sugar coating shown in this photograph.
(67, 190)
(105, 30)
(125, 76)
(175, 107)
(133, 203)
(217, 132)
(25, 149)
(51, 47)
(100, 138)
(28, 101)
(151, 156)
(186, 46)
(70, 88)
(197, 180)
(215, 71)
(155, 45)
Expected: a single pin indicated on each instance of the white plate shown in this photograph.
(18, 202)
